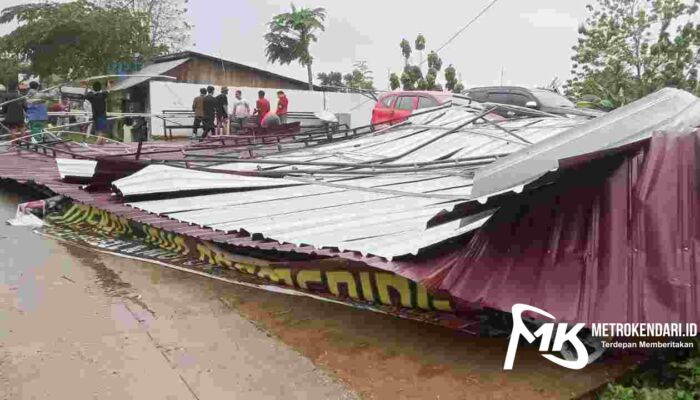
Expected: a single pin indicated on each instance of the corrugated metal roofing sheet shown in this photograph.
(381, 213)
(667, 108)
(69, 167)
(163, 178)
(153, 69)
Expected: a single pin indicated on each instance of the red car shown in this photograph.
(395, 107)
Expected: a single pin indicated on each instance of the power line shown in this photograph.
(464, 28)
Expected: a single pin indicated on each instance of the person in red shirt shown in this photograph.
(262, 107)
(282, 103)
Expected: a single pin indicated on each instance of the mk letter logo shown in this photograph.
(545, 333)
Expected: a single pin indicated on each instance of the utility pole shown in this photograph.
(502, 70)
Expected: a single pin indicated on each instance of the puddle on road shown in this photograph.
(108, 279)
(22, 252)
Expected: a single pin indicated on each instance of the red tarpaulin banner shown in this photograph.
(613, 238)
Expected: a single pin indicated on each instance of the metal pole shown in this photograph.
(138, 149)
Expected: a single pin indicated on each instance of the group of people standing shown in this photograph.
(32, 111)
(211, 113)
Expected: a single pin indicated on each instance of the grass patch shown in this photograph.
(667, 375)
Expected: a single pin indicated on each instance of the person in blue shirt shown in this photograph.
(37, 112)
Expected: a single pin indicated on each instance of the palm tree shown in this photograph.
(291, 34)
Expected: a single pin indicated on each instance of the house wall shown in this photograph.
(212, 73)
(178, 96)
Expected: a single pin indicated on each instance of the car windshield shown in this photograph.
(551, 99)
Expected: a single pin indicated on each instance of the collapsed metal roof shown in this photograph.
(374, 194)
(665, 110)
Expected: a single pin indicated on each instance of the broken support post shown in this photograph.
(138, 149)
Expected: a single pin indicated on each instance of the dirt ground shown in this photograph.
(76, 324)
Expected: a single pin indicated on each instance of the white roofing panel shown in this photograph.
(323, 235)
(164, 179)
(412, 242)
(69, 167)
(152, 69)
(230, 218)
(382, 213)
(638, 120)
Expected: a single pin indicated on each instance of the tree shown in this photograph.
(412, 77)
(420, 45)
(10, 68)
(450, 78)
(330, 79)
(434, 61)
(291, 35)
(9, 14)
(630, 48)
(168, 26)
(360, 77)
(405, 50)
(75, 39)
(431, 79)
(394, 81)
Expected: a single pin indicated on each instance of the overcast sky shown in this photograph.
(530, 40)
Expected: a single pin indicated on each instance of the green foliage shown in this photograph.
(450, 78)
(167, 23)
(431, 78)
(10, 67)
(412, 77)
(360, 77)
(291, 34)
(616, 392)
(405, 49)
(394, 81)
(75, 39)
(420, 42)
(407, 82)
(672, 375)
(630, 48)
(434, 61)
(330, 79)
(451, 82)
(12, 13)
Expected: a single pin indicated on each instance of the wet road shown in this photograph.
(76, 324)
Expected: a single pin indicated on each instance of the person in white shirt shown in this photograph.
(241, 110)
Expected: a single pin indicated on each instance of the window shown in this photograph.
(425, 102)
(388, 101)
(477, 95)
(518, 99)
(405, 103)
(515, 99)
(501, 98)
